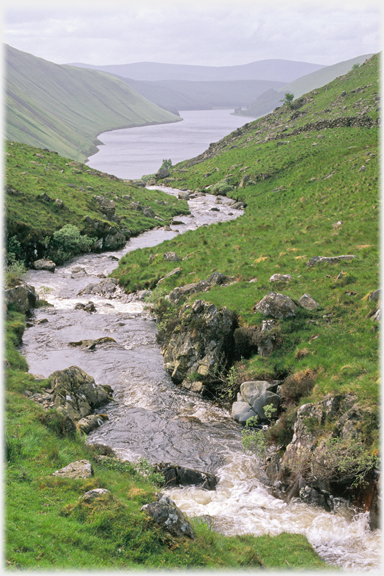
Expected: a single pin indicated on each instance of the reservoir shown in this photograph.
(134, 152)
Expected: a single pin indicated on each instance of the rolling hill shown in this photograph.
(271, 70)
(201, 95)
(64, 108)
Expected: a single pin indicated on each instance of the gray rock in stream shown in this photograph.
(180, 476)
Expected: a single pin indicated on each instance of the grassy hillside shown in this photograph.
(312, 190)
(188, 95)
(36, 178)
(267, 102)
(64, 108)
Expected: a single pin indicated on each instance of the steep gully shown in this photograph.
(152, 418)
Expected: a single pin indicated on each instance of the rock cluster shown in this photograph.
(253, 398)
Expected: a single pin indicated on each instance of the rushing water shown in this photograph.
(133, 152)
(153, 418)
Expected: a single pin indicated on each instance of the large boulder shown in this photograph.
(259, 394)
(22, 297)
(277, 306)
(242, 411)
(215, 279)
(169, 517)
(201, 344)
(44, 264)
(76, 394)
(104, 288)
(162, 173)
(179, 476)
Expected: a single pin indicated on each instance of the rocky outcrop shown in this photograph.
(114, 240)
(329, 259)
(326, 453)
(75, 393)
(21, 298)
(201, 344)
(107, 207)
(165, 513)
(180, 292)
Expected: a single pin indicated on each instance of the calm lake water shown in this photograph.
(133, 152)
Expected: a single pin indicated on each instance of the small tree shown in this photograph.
(288, 98)
(167, 164)
(355, 66)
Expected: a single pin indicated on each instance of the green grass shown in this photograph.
(31, 172)
(64, 108)
(297, 193)
(48, 527)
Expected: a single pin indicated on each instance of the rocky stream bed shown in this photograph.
(114, 341)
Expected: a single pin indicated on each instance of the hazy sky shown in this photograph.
(211, 33)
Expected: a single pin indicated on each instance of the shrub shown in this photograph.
(282, 431)
(297, 385)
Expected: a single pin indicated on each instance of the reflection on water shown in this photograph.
(133, 152)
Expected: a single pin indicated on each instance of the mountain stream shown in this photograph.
(152, 418)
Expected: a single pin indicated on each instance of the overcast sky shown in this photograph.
(211, 33)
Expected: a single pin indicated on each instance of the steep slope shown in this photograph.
(271, 70)
(45, 192)
(64, 108)
(309, 178)
(267, 102)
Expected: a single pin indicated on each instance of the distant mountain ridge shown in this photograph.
(178, 95)
(266, 102)
(64, 108)
(274, 70)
